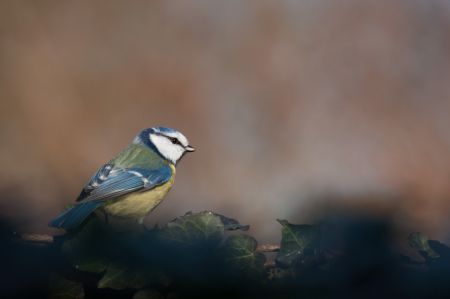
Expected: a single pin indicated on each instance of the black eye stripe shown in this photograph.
(174, 140)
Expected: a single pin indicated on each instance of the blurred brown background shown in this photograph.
(287, 102)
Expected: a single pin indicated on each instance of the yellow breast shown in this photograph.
(139, 204)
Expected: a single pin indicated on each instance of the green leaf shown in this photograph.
(147, 294)
(240, 254)
(61, 288)
(297, 242)
(200, 228)
(85, 247)
(419, 242)
(230, 223)
(119, 276)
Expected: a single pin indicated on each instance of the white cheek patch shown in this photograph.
(170, 151)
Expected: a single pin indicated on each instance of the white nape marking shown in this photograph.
(170, 151)
(137, 140)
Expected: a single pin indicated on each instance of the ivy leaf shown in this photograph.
(419, 242)
(85, 247)
(147, 294)
(200, 228)
(129, 275)
(297, 242)
(231, 224)
(240, 253)
(121, 276)
(61, 288)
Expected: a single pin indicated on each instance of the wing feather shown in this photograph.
(123, 181)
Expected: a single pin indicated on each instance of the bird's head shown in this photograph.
(169, 143)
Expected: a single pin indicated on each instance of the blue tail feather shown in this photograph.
(74, 216)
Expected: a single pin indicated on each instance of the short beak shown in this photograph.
(189, 148)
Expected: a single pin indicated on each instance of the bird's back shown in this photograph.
(139, 156)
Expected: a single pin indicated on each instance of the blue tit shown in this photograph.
(134, 182)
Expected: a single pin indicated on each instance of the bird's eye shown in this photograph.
(173, 140)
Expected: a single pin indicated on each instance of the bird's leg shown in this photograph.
(105, 217)
(142, 224)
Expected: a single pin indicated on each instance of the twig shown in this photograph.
(268, 248)
(36, 238)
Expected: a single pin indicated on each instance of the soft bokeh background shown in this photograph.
(289, 103)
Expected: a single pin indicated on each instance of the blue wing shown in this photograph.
(123, 181)
(107, 184)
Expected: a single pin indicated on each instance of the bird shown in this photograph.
(134, 182)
